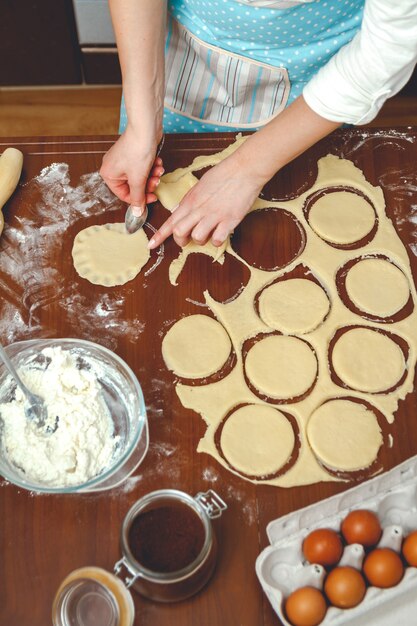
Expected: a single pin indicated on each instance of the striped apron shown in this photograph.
(235, 64)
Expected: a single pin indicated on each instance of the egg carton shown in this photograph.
(281, 567)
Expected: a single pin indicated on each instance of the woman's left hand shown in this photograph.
(213, 207)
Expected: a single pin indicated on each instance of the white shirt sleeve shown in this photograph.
(376, 64)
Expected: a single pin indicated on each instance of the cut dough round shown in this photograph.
(257, 440)
(344, 435)
(281, 367)
(368, 360)
(196, 346)
(296, 305)
(378, 287)
(341, 217)
(107, 255)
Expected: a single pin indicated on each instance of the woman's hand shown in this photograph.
(129, 167)
(213, 207)
(223, 196)
(131, 171)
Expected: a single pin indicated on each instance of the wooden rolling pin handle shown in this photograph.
(11, 163)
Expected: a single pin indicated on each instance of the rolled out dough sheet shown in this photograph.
(338, 217)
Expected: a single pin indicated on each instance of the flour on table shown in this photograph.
(31, 279)
(80, 443)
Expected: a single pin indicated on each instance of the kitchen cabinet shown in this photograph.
(57, 42)
(38, 43)
(99, 58)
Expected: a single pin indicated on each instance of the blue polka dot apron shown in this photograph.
(235, 64)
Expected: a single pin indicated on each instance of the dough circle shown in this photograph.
(107, 255)
(341, 217)
(196, 346)
(281, 367)
(377, 286)
(257, 440)
(296, 305)
(344, 435)
(367, 360)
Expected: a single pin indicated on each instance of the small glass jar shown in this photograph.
(91, 596)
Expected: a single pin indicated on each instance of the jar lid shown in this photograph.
(91, 596)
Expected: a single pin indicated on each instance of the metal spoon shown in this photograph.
(35, 409)
(132, 222)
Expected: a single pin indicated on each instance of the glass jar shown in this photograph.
(91, 596)
(177, 584)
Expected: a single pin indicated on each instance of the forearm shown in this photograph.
(139, 26)
(379, 60)
(284, 138)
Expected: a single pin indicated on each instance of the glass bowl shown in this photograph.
(122, 394)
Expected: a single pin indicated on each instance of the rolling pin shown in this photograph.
(11, 162)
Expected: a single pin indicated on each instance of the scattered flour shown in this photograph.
(129, 484)
(49, 212)
(78, 441)
(210, 475)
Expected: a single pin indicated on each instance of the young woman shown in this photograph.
(294, 70)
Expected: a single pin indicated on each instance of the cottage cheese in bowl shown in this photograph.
(95, 412)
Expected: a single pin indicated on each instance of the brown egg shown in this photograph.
(305, 607)
(362, 527)
(345, 587)
(410, 549)
(383, 568)
(323, 546)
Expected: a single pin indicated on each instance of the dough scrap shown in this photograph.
(107, 255)
(378, 287)
(344, 435)
(257, 440)
(209, 249)
(171, 193)
(281, 367)
(196, 346)
(341, 217)
(296, 305)
(368, 360)
(171, 190)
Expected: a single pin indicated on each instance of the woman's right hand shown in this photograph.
(131, 170)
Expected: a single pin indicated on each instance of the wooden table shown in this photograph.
(43, 538)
